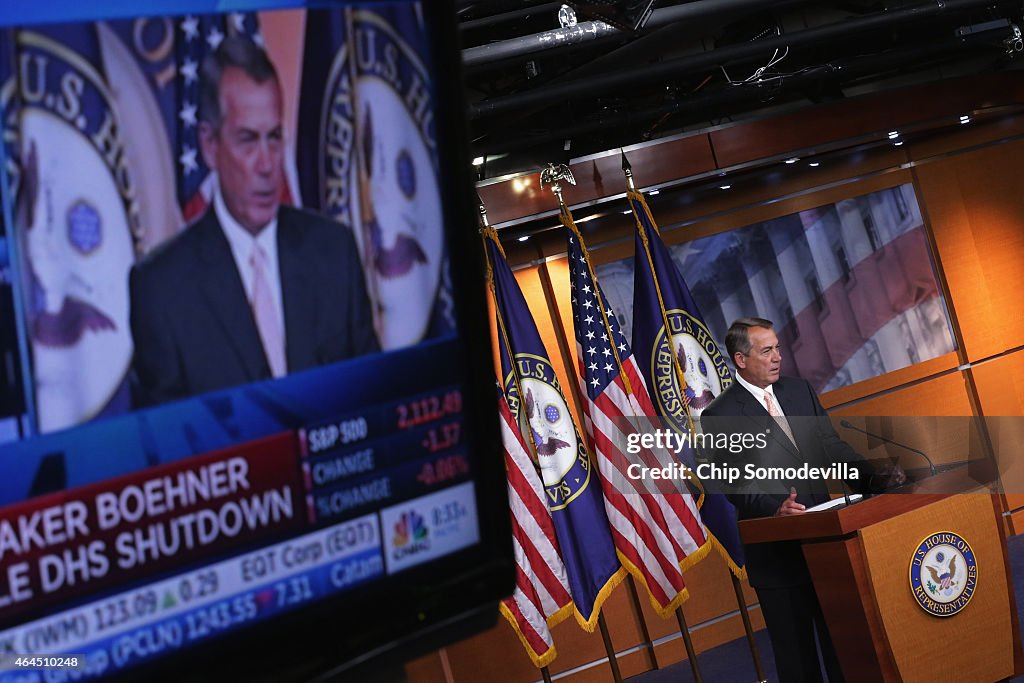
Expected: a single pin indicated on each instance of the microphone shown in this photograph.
(931, 465)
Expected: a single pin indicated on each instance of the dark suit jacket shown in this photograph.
(736, 411)
(193, 327)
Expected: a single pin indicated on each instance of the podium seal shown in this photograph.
(943, 574)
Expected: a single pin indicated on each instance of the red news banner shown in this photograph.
(69, 544)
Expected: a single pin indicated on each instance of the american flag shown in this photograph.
(541, 598)
(655, 534)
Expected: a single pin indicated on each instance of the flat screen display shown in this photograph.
(238, 382)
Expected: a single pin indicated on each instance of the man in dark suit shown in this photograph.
(253, 289)
(796, 431)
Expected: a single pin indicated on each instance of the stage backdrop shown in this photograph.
(851, 286)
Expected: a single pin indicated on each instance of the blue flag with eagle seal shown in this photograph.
(660, 295)
(569, 474)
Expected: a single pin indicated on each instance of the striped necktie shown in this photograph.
(783, 423)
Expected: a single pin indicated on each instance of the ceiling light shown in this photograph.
(897, 144)
(724, 187)
(653, 192)
(815, 164)
(524, 238)
(627, 212)
(965, 119)
(478, 161)
(792, 160)
(893, 134)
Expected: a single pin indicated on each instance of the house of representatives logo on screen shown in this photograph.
(77, 211)
(379, 168)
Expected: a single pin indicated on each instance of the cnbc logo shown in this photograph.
(411, 535)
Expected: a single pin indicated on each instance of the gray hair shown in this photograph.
(737, 339)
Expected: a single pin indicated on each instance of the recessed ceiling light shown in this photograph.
(815, 164)
(627, 212)
(478, 161)
(893, 134)
(792, 160)
(524, 238)
(653, 192)
(724, 187)
(965, 119)
(897, 144)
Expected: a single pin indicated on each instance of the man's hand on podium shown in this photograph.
(790, 506)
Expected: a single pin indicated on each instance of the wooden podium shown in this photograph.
(859, 559)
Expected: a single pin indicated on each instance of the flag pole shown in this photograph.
(691, 654)
(745, 614)
(638, 614)
(545, 674)
(737, 588)
(612, 661)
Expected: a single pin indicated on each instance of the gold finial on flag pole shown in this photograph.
(628, 170)
(553, 175)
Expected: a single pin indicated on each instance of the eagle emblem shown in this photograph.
(545, 445)
(943, 574)
(547, 425)
(943, 577)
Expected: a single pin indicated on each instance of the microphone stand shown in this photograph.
(931, 466)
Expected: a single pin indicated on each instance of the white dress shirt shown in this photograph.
(759, 393)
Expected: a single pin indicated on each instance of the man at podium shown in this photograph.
(788, 419)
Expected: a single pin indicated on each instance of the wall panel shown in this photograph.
(1000, 383)
(975, 204)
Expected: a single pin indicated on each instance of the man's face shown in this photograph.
(761, 366)
(247, 148)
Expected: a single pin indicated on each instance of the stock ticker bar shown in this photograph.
(123, 629)
(384, 488)
(119, 631)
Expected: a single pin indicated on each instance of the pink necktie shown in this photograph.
(265, 312)
(780, 419)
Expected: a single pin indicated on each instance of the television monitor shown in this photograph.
(248, 425)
